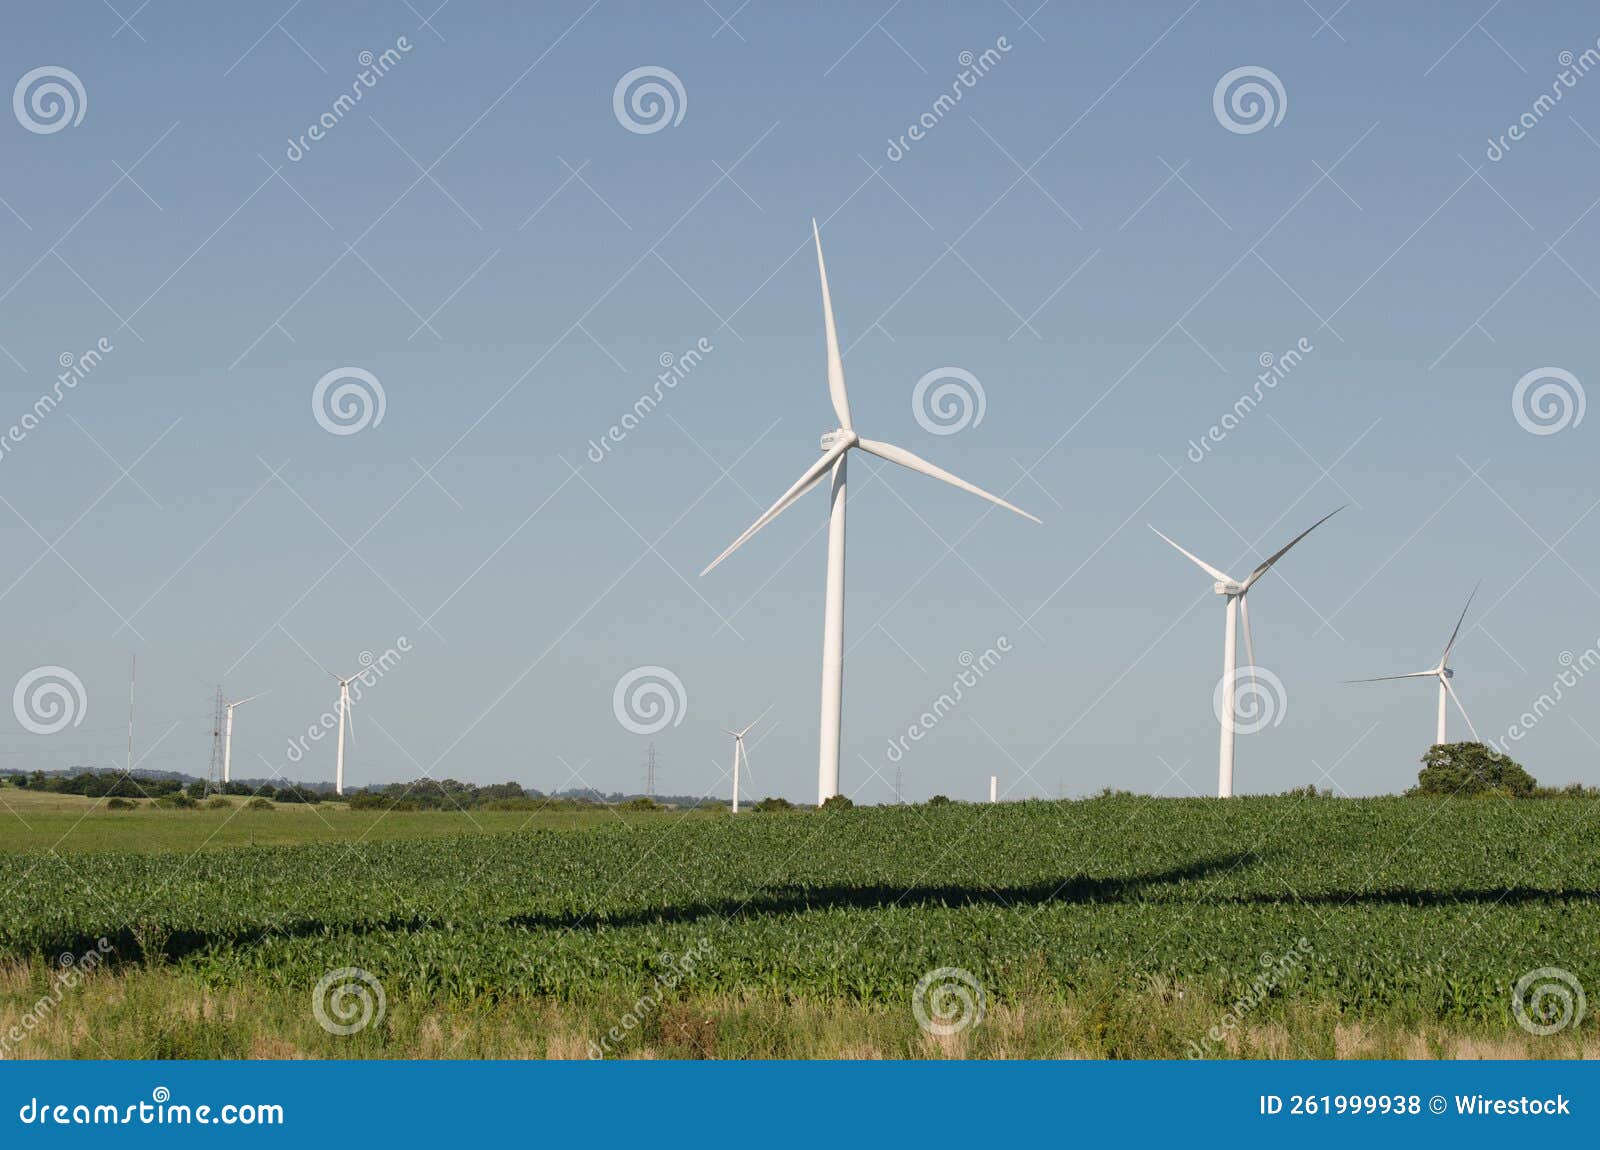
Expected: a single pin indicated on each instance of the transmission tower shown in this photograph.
(219, 720)
(650, 772)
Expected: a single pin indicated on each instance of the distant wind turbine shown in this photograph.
(836, 446)
(227, 735)
(739, 752)
(344, 712)
(1444, 674)
(1238, 606)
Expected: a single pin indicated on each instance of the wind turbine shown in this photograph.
(344, 710)
(1238, 606)
(227, 735)
(1444, 674)
(740, 753)
(836, 447)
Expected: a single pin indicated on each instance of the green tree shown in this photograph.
(1468, 769)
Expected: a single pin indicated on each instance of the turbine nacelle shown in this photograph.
(1228, 587)
(839, 436)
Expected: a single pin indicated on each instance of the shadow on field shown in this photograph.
(795, 899)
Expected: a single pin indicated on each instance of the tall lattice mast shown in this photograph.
(219, 720)
(650, 771)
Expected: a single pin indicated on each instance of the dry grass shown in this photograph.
(160, 1013)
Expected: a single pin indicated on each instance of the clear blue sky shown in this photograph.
(1080, 233)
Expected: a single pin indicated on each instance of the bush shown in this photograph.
(838, 803)
(177, 800)
(774, 803)
(939, 801)
(641, 804)
(258, 804)
(218, 803)
(121, 805)
(1470, 769)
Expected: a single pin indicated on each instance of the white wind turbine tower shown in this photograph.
(739, 752)
(227, 735)
(836, 447)
(344, 712)
(1238, 606)
(1444, 674)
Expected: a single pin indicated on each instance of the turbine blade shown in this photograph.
(916, 463)
(750, 725)
(1453, 634)
(813, 475)
(242, 702)
(836, 392)
(1387, 678)
(1284, 550)
(1460, 708)
(1195, 559)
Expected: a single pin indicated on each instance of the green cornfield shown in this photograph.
(1409, 909)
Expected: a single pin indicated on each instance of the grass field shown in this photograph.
(1123, 927)
(39, 821)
